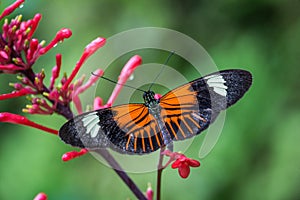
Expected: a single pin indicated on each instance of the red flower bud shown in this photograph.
(60, 36)
(33, 46)
(18, 119)
(73, 154)
(55, 71)
(18, 93)
(98, 102)
(35, 21)
(11, 8)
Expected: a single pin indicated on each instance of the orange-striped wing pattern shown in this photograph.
(143, 128)
(181, 113)
(126, 128)
(190, 108)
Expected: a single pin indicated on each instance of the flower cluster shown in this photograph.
(19, 51)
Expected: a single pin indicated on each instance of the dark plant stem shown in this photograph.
(118, 169)
(160, 169)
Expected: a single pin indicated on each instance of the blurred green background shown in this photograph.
(257, 155)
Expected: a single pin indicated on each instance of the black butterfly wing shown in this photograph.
(126, 129)
(190, 108)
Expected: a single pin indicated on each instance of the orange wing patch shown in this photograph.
(181, 114)
(139, 128)
(179, 99)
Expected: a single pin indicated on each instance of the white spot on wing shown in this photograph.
(217, 82)
(90, 122)
(95, 131)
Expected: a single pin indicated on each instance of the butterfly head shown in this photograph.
(149, 98)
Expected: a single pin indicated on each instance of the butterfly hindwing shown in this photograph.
(85, 131)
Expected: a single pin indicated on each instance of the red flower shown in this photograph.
(183, 164)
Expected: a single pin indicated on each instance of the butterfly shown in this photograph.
(181, 113)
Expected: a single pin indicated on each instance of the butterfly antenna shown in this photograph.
(162, 68)
(117, 82)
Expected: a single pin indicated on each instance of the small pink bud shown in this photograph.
(149, 192)
(18, 86)
(41, 196)
(3, 55)
(98, 102)
(58, 60)
(55, 71)
(34, 43)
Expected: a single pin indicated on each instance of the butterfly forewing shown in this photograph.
(190, 108)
